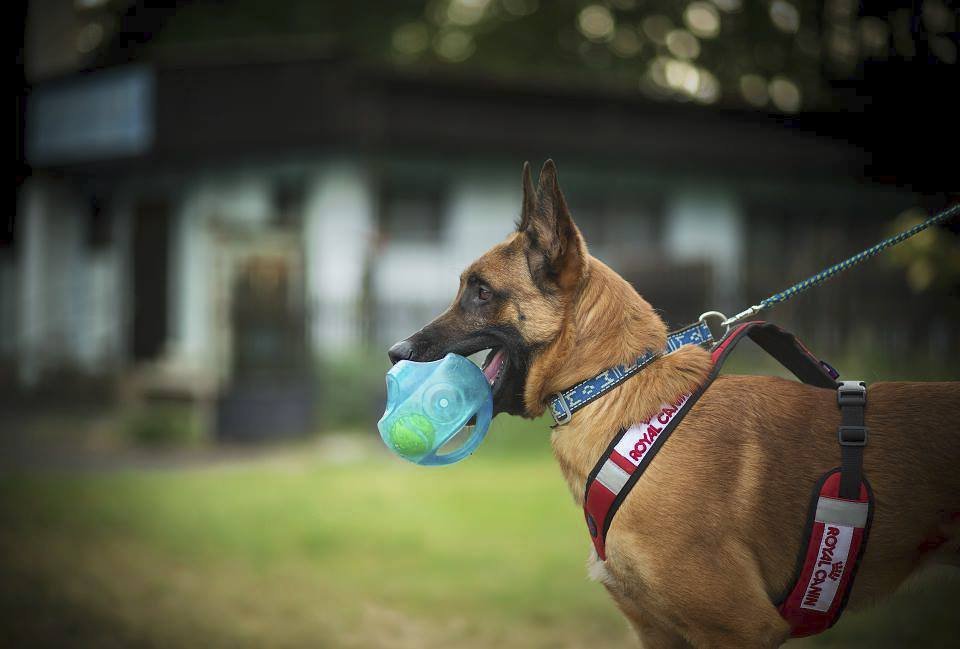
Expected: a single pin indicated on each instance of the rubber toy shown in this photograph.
(429, 403)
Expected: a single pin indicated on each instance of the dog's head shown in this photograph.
(513, 299)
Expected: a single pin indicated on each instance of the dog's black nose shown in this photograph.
(400, 351)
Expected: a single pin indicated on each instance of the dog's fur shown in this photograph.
(710, 534)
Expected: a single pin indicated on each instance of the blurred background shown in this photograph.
(226, 211)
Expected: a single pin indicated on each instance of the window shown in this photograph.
(614, 221)
(289, 197)
(7, 228)
(99, 225)
(411, 212)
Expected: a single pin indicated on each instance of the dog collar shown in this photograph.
(567, 402)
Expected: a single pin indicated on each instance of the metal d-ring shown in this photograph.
(718, 323)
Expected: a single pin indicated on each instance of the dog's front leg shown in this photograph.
(709, 599)
(721, 599)
(652, 633)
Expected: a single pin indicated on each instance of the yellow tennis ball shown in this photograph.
(412, 435)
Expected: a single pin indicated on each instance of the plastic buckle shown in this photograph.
(566, 416)
(851, 393)
(852, 435)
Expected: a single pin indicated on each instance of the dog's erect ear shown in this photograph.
(529, 198)
(555, 252)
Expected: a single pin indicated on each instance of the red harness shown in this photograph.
(841, 508)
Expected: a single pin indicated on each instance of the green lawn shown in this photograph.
(299, 549)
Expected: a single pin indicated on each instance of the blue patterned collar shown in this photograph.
(567, 402)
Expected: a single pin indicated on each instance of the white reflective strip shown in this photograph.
(612, 477)
(639, 438)
(841, 512)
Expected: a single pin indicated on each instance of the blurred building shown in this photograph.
(203, 226)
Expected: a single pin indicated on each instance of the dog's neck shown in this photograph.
(608, 323)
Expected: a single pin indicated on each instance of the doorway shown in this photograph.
(150, 258)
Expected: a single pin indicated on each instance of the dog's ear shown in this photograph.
(556, 252)
(529, 198)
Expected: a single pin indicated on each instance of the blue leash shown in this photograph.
(824, 275)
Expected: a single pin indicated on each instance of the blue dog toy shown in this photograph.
(429, 403)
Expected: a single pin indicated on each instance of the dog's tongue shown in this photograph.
(490, 371)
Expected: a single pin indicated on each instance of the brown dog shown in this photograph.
(711, 532)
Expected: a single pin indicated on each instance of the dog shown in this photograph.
(711, 532)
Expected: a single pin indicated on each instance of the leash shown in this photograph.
(824, 275)
(713, 326)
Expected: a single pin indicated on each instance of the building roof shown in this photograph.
(218, 111)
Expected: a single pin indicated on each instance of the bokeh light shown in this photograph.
(454, 45)
(938, 17)
(682, 44)
(520, 8)
(785, 16)
(626, 42)
(708, 91)
(729, 6)
(702, 19)
(596, 23)
(785, 94)
(682, 75)
(411, 38)
(753, 88)
(944, 49)
(466, 12)
(874, 35)
(656, 27)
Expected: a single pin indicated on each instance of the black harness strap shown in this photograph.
(852, 399)
(784, 347)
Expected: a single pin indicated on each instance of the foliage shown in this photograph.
(352, 391)
(779, 54)
(164, 425)
(930, 259)
(653, 47)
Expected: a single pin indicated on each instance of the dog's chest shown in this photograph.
(597, 569)
(576, 457)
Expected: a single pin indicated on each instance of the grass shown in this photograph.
(307, 548)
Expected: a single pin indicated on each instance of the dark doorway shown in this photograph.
(269, 334)
(151, 247)
(270, 394)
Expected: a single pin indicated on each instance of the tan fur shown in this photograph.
(710, 533)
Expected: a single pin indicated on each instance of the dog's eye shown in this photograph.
(483, 293)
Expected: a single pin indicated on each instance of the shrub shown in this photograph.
(352, 390)
(159, 425)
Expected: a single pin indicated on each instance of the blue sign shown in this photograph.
(99, 116)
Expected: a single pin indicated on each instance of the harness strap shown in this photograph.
(785, 348)
(834, 540)
(852, 399)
